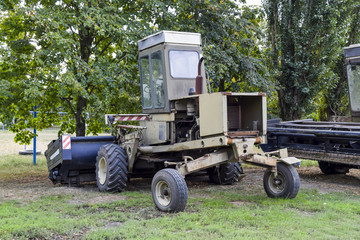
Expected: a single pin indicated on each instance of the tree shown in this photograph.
(305, 37)
(78, 57)
(230, 37)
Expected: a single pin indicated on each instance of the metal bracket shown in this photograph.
(191, 165)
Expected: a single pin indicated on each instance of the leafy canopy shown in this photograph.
(80, 57)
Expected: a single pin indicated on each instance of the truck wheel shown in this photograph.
(111, 168)
(226, 174)
(285, 185)
(169, 190)
(332, 168)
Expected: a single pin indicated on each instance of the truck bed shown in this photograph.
(337, 142)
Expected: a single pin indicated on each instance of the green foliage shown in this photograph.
(306, 40)
(230, 36)
(75, 57)
(80, 57)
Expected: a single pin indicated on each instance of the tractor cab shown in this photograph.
(352, 55)
(168, 68)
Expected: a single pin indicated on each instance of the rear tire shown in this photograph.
(285, 185)
(111, 168)
(226, 174)
(169, 190)
(332, 168)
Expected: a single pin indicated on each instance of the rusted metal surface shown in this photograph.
(203, 162)
(242, 147)
(353, 160)
(131, 151)
(258, 140)
(190, 145)
(259, 160)
(234, 140)
(243, 133)
(199, 79)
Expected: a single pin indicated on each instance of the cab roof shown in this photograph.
(170, 37)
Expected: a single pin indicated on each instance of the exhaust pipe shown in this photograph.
(199, 79)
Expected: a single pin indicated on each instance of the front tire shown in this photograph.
(169, 190)
(285, 185)
(111, 168)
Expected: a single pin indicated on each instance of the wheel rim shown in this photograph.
(163, 193)
(102, 171)
(277, 184)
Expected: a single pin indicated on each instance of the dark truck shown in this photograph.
(335, 145)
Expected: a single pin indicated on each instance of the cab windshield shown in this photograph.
(353, 73)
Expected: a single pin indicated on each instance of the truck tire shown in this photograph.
(169, 190)
(226, 174)
(111, 168)
(332, 168)
(285, 185)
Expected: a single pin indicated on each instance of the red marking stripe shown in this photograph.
(132, 118)
(66, 138)
(66, 142)
(66, 146)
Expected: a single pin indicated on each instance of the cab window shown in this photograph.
(145, 81)
(158, 80)
(152, 81)
(183, 64)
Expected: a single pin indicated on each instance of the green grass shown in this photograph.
(12, 166)
(308, 163)
(213, 212)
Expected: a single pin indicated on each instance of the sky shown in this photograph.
(253, 2)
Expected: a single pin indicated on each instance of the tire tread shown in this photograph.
(226, 174)
(117, 168)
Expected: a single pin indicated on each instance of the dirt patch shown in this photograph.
(97, 200)
(313, 178)
(240, 203)
(37, 186)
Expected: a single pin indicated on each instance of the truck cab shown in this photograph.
(352, 62)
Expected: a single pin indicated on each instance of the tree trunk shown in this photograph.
(86, 39)
(289, 110)
(222, 85)
(80, 119)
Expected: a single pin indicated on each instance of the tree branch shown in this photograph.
(100, 40)
(67, 100)
(50, 80)
(101, 53)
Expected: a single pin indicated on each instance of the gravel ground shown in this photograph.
(33, 187)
